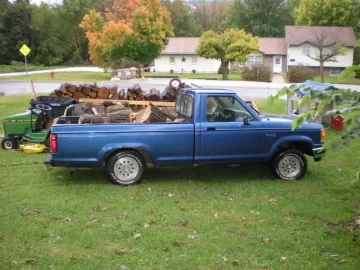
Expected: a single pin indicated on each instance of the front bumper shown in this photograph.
(318, 153)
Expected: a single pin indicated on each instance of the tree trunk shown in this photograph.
(322, 71)
(139, 66)
(225, 69)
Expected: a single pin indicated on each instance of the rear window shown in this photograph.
(184, 104)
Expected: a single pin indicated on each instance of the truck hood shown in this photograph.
(284, 121)
(278, 117)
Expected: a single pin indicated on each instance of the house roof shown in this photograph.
(181, 45)
(296, 35)
(272, 46)
(188, 45)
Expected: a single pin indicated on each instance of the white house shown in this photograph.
(180, 56)
(279, 54)
(300, 42)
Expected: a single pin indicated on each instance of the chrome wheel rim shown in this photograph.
(175, 84)
(289, 166)
(126, 169)
(8, 145)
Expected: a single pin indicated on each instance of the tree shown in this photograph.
(231, 45)
(182, 19)
(324, 13)
(261, 18)
(210, 15)
(328, 46)
(130, 30)
(71, 13)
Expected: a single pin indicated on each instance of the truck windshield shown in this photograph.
(184, 104)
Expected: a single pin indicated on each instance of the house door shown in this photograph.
(277, 64)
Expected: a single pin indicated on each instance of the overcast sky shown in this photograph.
(46, 1)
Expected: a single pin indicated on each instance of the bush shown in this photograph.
(220, 70)
(357, 74)
(257, 73)
(299, 74)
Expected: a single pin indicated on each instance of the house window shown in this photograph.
(254, 60)
(334, 71)
(172, 60)
(194, 60)
(306, 50)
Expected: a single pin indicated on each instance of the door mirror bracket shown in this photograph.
(246, 121)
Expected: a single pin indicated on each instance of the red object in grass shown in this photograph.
(337, 122)
(52, 74)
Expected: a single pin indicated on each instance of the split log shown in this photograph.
(86, 90)
(78, 95)
(151, 114)
(71, 88)
(63, 90)
(91, 119)
(92, 94)
(154, 97)
(103, 93)
(115, 108)
(112, 91)
(170, 112)
(122, 116)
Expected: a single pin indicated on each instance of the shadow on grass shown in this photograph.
(202, 174)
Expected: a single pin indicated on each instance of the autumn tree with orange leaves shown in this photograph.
(134, 30)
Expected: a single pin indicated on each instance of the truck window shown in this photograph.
(184, 104)
(225, 109)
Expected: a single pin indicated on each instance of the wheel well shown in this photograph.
(141, 151)
(303, 147)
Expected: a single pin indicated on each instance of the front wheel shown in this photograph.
(289, 165)
(125, 168)
(9, 143)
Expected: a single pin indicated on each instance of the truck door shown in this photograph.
(224, 136)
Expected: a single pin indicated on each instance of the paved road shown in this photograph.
(255, 90)
(244, 89)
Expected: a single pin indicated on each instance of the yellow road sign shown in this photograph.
(25, 50)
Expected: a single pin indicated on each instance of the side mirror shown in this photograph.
(246, 121)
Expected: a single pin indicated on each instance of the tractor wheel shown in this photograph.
(175, 83)
(9, 143)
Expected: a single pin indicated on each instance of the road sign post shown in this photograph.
(25, 50)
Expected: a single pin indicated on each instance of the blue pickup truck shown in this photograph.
(217, 127)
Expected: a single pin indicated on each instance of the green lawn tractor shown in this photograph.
(30, 130)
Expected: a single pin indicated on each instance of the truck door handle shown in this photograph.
(211, 128)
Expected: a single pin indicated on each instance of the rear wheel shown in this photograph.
(9, 143)
(289, 165)
(125, 168)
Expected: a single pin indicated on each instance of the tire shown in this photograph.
(289, 165)
(125, 168)
(9, 143)
(175, 83)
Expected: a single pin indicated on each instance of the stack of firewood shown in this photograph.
(135, 93)
(88, 91)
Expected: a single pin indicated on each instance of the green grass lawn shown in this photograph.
(334, 79)
(102, 76)
(207, 217)
(232, 76)
(21, 68)
(64, 76)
